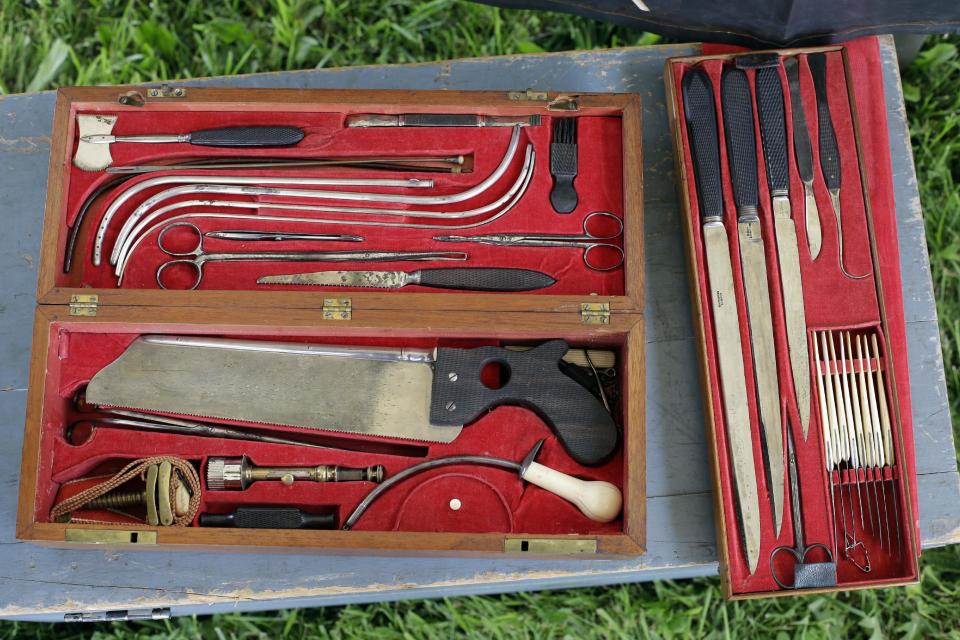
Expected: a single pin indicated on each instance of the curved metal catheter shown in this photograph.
(237, 184)
(124, 239)
(476, 190)
(511, 197)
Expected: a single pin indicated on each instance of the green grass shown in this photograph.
(44, 45)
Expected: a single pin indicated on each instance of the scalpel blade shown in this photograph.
(804, 155)
(698, 101)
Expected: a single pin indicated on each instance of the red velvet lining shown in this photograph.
(831, 301)
(492, 499)
(599, 186)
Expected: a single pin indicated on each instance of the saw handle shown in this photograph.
(257, 136)
(530, 379)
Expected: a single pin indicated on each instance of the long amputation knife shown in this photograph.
(742, 157)
(700, 113)
(829, 151)
(803, 153)
(774, 138)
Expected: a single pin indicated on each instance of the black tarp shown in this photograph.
(763, 23)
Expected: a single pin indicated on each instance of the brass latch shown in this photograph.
(595, 312)
(337, 309)
(83, 304)
(110, 536)
(554, 546)
(560, 103)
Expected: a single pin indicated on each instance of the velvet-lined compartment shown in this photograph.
(421, 503)
(599, 185)
(831, 301)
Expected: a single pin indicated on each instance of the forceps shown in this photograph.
(588, 240)
(196, 257)
(806, 575)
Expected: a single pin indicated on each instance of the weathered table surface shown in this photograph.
(37, 583)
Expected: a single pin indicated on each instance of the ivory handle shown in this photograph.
(600, 501)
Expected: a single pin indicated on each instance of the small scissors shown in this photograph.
(807, 575)
(197, 257)
(588, 241)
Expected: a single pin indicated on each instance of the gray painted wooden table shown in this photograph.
(43, 584)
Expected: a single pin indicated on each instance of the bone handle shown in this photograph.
(599, 501)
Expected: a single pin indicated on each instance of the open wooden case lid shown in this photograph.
(609, 179)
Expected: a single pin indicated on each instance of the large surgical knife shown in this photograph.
(465, 279)
(829, 151)
(742, 156)
(774, 137)
(700, 113)
(804, 155)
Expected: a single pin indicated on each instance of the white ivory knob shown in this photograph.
(600, 501)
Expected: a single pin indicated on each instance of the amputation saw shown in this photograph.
(419, 394)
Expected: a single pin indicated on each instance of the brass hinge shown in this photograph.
(595, 312)
(337, 309)
(83, 304)
(110, 536)
(554, 546)
(166, 91)
(119, 615)
(529, 94)
(560, 103)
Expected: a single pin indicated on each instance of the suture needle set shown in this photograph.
(408, 322)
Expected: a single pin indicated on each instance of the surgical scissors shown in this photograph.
(807, 575)
(587, 240)
(196, 257)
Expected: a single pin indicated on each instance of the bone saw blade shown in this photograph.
(367, 391)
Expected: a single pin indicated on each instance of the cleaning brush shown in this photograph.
(563, 165)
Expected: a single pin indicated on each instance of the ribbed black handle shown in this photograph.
(701, 116)
(269, 136)
(440, 120)
(741, 143)
(773, 127)
(829, 153)
(269, 518)
(801, 136)
(485, 279)
(583, 425)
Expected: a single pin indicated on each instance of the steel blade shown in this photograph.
(374, 279)
(733, 387)
(310, 386)
(764, 358)
(794, 314)
(814, 232)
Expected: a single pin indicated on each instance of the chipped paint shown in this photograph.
(167, 598)
(25, 144)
